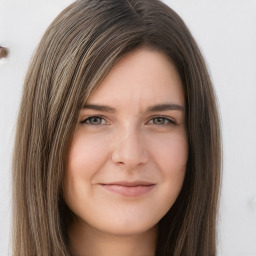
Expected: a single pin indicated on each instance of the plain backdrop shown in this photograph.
(226, 33)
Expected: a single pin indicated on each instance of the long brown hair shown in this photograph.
(75, 54)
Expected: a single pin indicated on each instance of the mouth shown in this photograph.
(129, 189)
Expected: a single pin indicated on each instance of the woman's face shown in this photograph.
(127, 162)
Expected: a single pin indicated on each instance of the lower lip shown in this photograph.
(131, 191)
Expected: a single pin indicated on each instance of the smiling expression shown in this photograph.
(128, 157)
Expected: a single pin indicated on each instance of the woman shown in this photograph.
(118, 144)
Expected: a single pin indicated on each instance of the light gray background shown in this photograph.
(226, 33)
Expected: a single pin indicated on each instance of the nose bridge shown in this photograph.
(130, 149)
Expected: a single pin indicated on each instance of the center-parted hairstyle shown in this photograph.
(75, 54)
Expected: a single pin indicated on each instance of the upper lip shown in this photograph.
(129, 183)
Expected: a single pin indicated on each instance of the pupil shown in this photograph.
(95, 120)
(159, 120)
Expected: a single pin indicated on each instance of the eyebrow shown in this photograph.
(155, 108)
(102, 108)
(165, 107)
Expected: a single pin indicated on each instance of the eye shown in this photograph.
(159, 120)
(94, 120)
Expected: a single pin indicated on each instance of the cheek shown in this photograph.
(87, 155)
(170, 153)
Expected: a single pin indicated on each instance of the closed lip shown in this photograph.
(129, 183)
(129, 188)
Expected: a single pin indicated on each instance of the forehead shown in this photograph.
(142, 76)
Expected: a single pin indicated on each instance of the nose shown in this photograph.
(129, 149)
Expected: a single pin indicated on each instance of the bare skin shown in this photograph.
(128, 158)
(103, 244)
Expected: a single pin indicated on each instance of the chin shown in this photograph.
(126, 226)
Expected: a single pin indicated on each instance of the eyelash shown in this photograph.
(167, 121)
(87, 120)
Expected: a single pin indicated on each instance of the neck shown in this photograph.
(88, 241)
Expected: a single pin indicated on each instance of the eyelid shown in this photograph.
(170, 120)
(85, 119)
